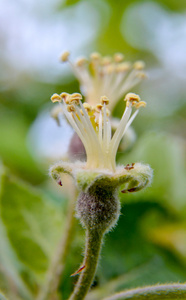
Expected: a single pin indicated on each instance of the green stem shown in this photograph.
(54, 275)
(92, 251)
(161, 292)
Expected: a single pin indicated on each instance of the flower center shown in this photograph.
(93, 126)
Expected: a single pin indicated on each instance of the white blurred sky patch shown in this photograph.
(34, 33)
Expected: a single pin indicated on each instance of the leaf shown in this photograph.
(11, 268)
(33, 224)
(171, 236)
(157, 292)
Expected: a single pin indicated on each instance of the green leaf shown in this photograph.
(157, 292)
(33, 224)
(10, 273)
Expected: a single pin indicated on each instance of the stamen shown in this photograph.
(74, 98)
(140, 104)
(87, 107)
(131, 98)
(64, 57)
(106, 60)
(81, 61)
(104, 100)
(118, 57)
(70, 108)
(95, 56)
(56, 98)
(123, 67)
(139, 65)
(65, 96)
(99, 107)
(141, 75)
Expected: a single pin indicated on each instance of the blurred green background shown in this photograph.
(148, 245)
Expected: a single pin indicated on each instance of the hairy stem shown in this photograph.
(50, 288)
(92, 251)
(161, 292)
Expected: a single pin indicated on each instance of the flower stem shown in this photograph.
(50, 288)
(92, 251)
(159, 291)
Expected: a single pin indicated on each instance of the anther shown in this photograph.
(118, 57)
(65, 97)
(130, 97)
(110, 69)
(65, 55)
(70, 108)
(106, 60)
(104, 100)
(87, 106)
(139, 65)
(140, 104)
(141, 75)
(76, 96)
(56, 98)
(81, 62)
(99, 107)
(95, 56)
(123, 67)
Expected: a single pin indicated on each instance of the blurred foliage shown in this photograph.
(148, 245)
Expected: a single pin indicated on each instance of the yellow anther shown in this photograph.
(87, 106)
(139, 65)
(110, 69)
(65, 55)
(140, 104)
(71, 108)
(95, 56)
(104, 100)
(76, 96)
(131, 97)
(99, 107)
(141, 75)
(106, 60)
(93, 109)
(118, 57)
(56, 98)
(123, 67)
(65, 97)
(81, 61)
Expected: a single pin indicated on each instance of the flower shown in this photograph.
(93, 126)
(98, 178)
(110, 76)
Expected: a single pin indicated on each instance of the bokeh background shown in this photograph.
(149, 244)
